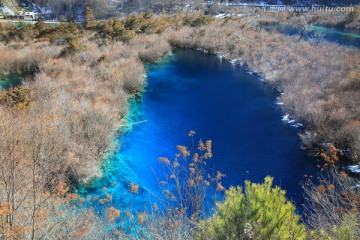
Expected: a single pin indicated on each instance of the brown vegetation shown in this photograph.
(153, 47)
(184, 189)
(22, 59)
(60, 124)
(186, 179)
(332, 207)
(34, 203)
(349, 20)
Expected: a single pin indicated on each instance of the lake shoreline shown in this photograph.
(273, 72)
(345, 160)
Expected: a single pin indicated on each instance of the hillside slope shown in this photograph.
(72, 9)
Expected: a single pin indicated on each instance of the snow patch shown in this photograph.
(357, 185)
(287, 119)
(202, 50)
(221, 15)
(7, 11)
(354, 168)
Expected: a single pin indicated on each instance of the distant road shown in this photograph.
(26, 21)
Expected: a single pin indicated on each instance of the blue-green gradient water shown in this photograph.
(221, 102)
(10, 82)
(348, 37)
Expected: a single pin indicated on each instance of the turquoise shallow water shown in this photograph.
(10, 82)
(346, 37)
(221, 102)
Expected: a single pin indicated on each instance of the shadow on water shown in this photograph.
(221, 102)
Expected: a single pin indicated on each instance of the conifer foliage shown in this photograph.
(260, 212)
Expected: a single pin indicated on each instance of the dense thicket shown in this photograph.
(58, 126)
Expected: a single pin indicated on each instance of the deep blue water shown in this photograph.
(346, 37)
(221, 102)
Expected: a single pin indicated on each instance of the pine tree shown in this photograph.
(89, 19)
(261, 212)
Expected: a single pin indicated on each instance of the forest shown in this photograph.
(59, 125)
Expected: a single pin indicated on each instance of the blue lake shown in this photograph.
(221, 102)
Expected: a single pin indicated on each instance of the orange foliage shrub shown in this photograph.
(112, 214)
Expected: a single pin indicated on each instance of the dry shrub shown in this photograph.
(76, 104)
(62, 136)
(184, 38)
(196, 19)
(146, 23)
(153, 47)
(112, 214)
(330, 203)
(133, 81)
(86, 92)
(26, 61)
